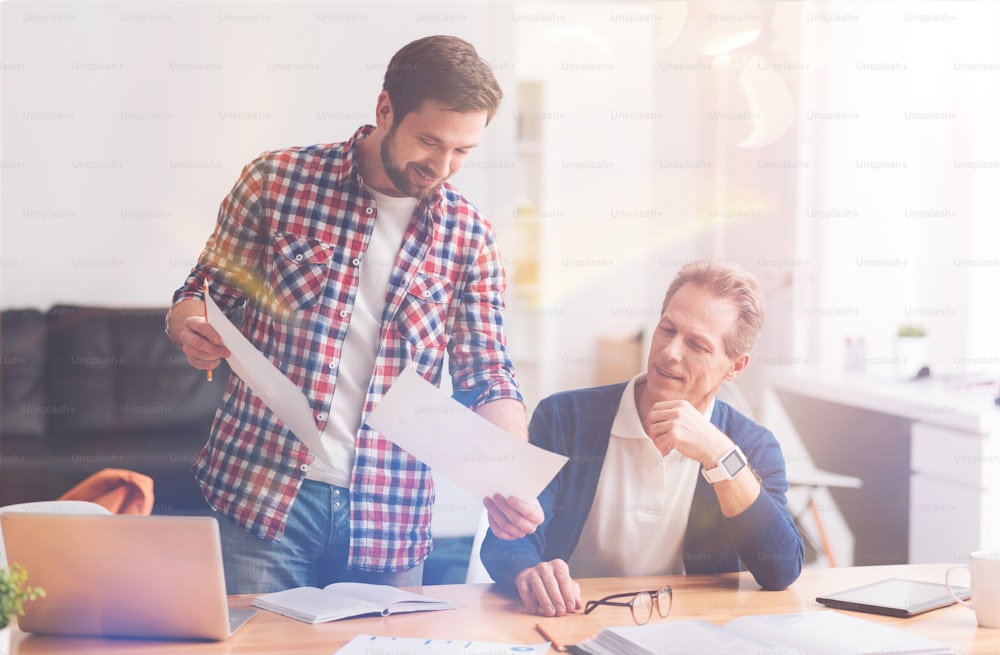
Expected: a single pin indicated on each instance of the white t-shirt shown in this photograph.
(637, 523)
(361, 344)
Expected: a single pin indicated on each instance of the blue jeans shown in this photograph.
(312, 552)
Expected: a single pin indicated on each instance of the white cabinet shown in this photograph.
(953, 493)
(943, 520)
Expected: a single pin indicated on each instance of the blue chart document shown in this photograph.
(368, 644)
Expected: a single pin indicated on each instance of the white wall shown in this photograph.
(904, 145)
(125, 123)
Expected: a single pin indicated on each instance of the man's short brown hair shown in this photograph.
(442, 68)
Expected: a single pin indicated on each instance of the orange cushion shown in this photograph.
(118, 490)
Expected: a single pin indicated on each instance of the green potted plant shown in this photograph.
(14, 593)
(911, 330)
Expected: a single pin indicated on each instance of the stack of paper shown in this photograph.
(808, 633)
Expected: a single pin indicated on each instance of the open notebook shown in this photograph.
(122, 575)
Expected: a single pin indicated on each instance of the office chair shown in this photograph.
(476, 571)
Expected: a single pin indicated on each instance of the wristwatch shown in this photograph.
(727, 467)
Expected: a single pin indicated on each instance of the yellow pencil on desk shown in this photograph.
(208, 373)
(556, 646)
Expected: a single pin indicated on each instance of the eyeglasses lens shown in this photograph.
(642, 607)
(664, 599)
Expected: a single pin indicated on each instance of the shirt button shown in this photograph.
(321, 417)
(343, 313)
(299, 257)
(356, 261)
(331, 365)
(427, 294)
(369, 210)
(303, 467)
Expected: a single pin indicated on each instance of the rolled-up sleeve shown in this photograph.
(480, 365)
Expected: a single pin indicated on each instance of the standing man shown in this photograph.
(662, 477)
(350, 262)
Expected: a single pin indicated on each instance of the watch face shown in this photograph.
(733, 462)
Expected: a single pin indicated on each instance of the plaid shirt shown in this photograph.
(287, 249)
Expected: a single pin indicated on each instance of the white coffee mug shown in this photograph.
(984, 571)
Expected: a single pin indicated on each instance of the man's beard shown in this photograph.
(399, 176)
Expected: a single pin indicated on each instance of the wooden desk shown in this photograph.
(486, 616)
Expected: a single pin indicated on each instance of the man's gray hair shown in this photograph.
(731, 282)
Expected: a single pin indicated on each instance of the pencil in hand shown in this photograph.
(208, 373)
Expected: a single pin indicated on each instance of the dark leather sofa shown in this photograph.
(88, 388)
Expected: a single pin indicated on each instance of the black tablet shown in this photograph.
(894, 597)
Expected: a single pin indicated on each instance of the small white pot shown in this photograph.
(911, 355)
(5, 640)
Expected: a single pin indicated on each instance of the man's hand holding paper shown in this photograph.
(195, 336)
(513, 518)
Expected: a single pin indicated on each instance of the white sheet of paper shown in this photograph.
(282, 397)
(369, 644)
(459, 444)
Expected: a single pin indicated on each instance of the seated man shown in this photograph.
(662, 477)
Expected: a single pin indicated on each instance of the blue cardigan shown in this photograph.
(578, 424)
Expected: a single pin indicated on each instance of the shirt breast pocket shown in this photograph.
(300, 272)
(423, 317)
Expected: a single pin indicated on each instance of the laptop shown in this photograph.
(122, 576)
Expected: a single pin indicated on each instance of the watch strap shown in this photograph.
(720, 472)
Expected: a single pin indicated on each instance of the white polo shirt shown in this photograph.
(637, 522)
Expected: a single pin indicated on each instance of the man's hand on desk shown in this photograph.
(512, 518)
(548, 589)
